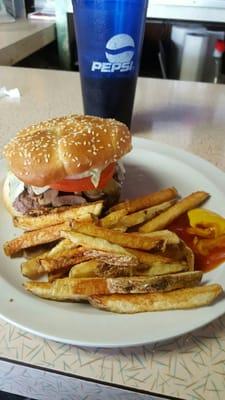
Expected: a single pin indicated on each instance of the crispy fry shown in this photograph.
(168, 237)
(132, 240)
(112, 258)
(113, 218)
(179, 299)
(166, 217)
(32, 268)
(144, 284)
(142, 216)
(87, 269)
(95, 268)
(98, 268)
(64, 260)
(60, 289)
(149, 200)
(61, 247)
(158, 264)
(180, 253)
(62, 255)
(90, 242)
(67, 288)
(34, 238)
(81, 212)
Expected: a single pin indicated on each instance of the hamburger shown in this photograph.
(65, 161)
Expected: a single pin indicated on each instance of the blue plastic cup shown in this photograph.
(109, 36)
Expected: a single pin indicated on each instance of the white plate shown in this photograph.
(150, 166)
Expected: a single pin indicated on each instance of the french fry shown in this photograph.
(87, 269)
(70, 288)
(112, 258)
(61, 247)
(98, 268)
(113, 218)
(90, 242)
(168, 237)
(34, 238)
(141, 216)
(33, 269)
(158, 264)
(59, 289)
(64, 260)
(149, 200)
(166, 217)
(132, 240)
(78, 212)
(179, 299)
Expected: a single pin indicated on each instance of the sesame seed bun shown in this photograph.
(52, 150)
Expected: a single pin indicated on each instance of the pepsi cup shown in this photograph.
(109, 36)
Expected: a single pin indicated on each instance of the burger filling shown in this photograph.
(34, 200)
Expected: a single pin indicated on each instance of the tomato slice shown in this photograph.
(80, 185)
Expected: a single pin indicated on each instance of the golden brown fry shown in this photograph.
(132, 240)
(34, 238)
(179, 299)
(168, 237)
(166, 217)
(70, 288)
(78, 212)
(112, 218)
(61, 247)
(87, 269)
(33, 269)
(112, 258)
(149, 200)
(145, 284)
(98, 268)
(142, 216)
(64, 260)
(158, 264)
(90, 242)
(60, 289)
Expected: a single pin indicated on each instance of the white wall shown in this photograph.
(193, 10)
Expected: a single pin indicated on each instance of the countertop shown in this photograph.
(23, 37)
(186, 115)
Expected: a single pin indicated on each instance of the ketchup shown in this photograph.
(203, 263)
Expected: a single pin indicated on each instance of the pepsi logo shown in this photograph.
(120, 49)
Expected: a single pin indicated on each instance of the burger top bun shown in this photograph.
(55, 149)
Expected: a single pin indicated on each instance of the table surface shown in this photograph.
(23, 37)
(183, 114)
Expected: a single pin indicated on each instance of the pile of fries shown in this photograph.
(125, 261)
